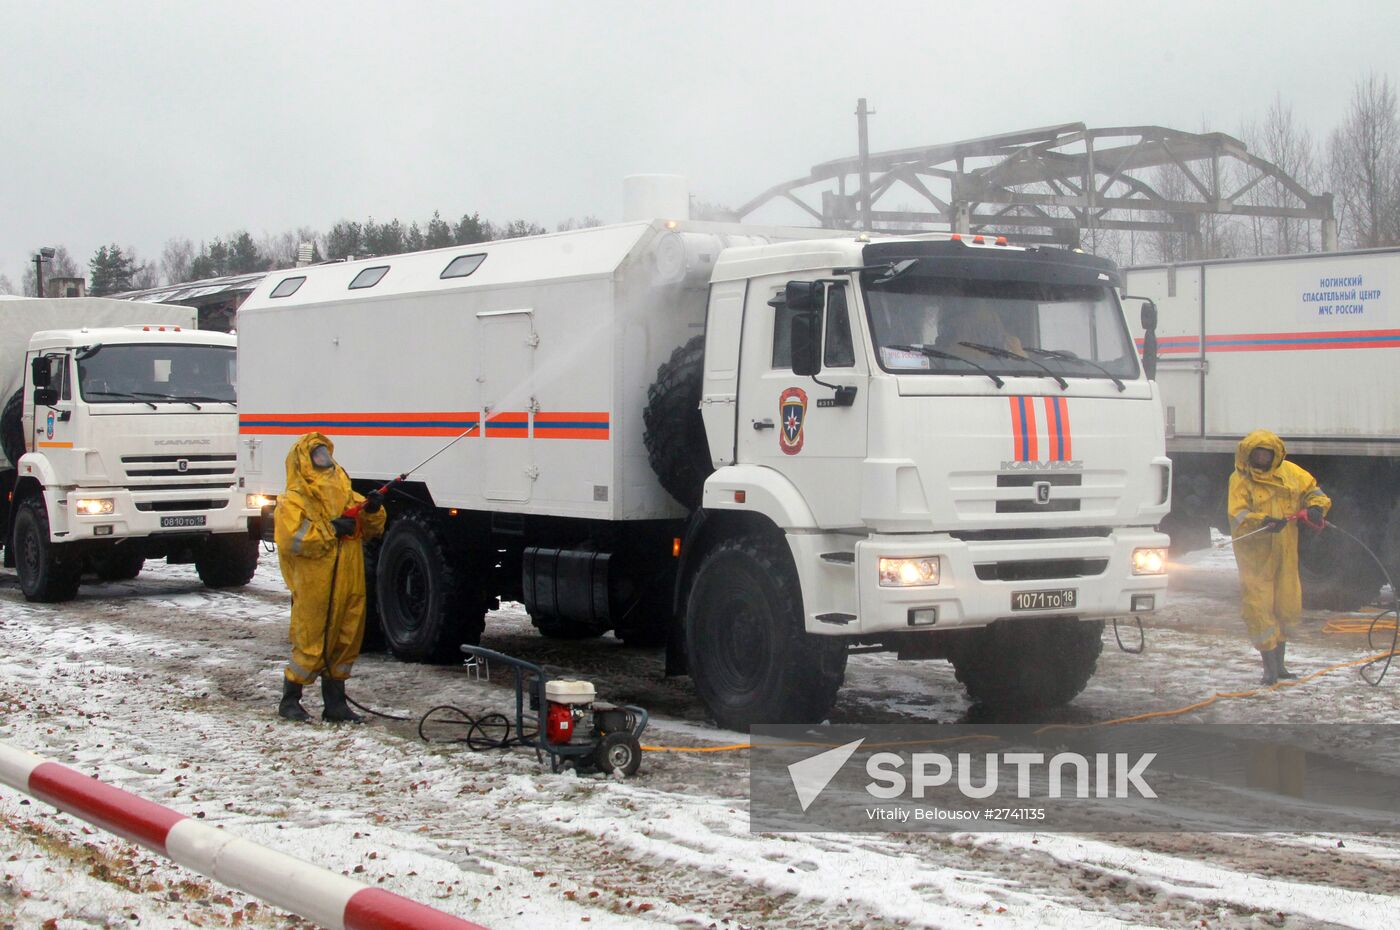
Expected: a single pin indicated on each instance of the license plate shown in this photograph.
(182, 521)
(1062, 599)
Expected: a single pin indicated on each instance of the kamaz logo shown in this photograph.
(1072, 465)
(182, 465)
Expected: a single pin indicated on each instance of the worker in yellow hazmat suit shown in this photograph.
(1265, 490)
(319, 549)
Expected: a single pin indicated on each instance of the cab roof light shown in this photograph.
(979, 239)
(956, 237)
(1001, 240)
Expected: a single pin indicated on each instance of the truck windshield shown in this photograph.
(1005, 327)
(114, 374)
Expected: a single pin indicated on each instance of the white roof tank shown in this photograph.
(655, 197)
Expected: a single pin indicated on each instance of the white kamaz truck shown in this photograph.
(764, 448)
(1301, 345)
(119, 432)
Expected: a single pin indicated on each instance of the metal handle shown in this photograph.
(762, 424)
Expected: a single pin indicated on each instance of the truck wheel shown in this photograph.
(227, 560)
(47, 574)
(675, 431)
(374, 630)
(119, 563)
(427, 606)
(12, 427)
(750, 657)
(1022, 664)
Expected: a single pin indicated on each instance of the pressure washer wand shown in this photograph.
(354, 509)
(1301, 516)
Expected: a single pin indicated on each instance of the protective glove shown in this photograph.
(1315, 515)
(373, 501)
(343, 526)
(1275, 524)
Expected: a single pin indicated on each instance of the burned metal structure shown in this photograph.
(1052, 185)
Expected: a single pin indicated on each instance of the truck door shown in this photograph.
(1181, 366)
(506, 366)
(51, 427)
(791, 424)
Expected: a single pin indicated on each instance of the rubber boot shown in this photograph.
(336, 710)
(1270, 657)
(290, 708)
(1283, 672)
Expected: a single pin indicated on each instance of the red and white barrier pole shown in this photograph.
(321, 896)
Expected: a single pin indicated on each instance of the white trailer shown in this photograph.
(1302, 345)
(119, 430)
(758, 449)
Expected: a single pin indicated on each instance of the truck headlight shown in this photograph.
(94, 506)
(909, 573)
(259, 501)
(1149, 561)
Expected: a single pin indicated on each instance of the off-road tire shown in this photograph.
(118, 563)
(1028, 663)
(750, 657)
(47, 573)
(12, 428)
(227, 560)
(429, 605)
(675, 431)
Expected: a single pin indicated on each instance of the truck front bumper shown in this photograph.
(1085, 577)
(143, 513)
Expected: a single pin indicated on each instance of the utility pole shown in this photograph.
(862, 114)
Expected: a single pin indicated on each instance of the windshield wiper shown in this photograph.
(1071, 357)
(1007, 353)
(931, 352)
(125, 394)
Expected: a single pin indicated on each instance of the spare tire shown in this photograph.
(675, 431)
(12, 427)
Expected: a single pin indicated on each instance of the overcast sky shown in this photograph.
(135, 122)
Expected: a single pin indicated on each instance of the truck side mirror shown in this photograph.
(806, 343)
(1149, 335)
(1149, 315)
(39, 372)
(804, 295)
(46, 396)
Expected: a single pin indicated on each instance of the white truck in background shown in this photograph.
(1305, 346)
(762, 447)
(119, 428)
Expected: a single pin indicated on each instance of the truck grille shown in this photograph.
(178, 466)
(1040, 569)
(152, 506)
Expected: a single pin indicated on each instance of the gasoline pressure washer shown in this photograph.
(1372, 672)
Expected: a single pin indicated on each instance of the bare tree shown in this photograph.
(145, 275)
(1280, 139)
(5, 286)
(175, 260)
(1364, 162)
(61, 265)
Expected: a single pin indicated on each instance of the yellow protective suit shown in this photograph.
(1268, 562)
(326, 575)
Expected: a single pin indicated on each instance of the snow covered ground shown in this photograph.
(167, 689)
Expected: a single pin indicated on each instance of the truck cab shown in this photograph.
(958, 442)
(129, 453)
